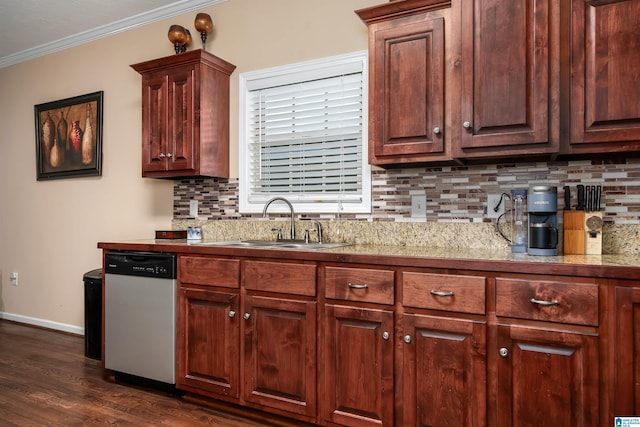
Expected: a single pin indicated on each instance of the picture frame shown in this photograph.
(69, 137)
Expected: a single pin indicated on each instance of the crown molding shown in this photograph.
(174, 9)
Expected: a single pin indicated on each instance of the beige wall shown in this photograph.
(49, 230)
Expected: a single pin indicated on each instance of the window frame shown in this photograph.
(292, 74)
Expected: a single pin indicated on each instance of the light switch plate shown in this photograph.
(193, 208)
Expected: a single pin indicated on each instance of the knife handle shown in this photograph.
(580, 206)
(567, 198)
(598, 197)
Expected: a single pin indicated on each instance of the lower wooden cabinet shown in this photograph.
(443, 371)
(252, 346)
(547, 352)
(546, 378)
(347, 344)
(280, 354)
(627, 351)
(358, 366)
(208, 341)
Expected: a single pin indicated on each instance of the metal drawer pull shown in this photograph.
(354, 286)
(407, 339)
(246, 316)
(385, 335)
(442, 293)
(232, 314)
(504, 352)
(544, 303)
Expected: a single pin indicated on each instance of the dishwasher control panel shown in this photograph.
(145, 264)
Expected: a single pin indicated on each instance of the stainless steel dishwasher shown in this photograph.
(139, 314)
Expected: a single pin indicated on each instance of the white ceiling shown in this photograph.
(32, 28)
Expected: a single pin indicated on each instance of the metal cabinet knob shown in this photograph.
(169, 155)
(437, 130)
(232, 314)
(407, 339)
(504, 352)
(466, 125)
(161, 156)
(246, 316)
(385, 335)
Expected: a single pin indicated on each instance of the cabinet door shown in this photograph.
(208, 341)
(358, 366)
(444, 371)
(627, 352)
(605, 87)
(407, 82)
(180, 125)
(510, 77)
(280, 354)
(546, 377)
(154, 122)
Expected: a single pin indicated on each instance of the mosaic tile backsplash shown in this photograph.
(454, 194)
(456, 204)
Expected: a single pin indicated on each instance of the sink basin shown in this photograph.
(310, 246)
(280, 244)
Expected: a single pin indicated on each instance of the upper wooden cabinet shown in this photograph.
(462, 79)
(410, 77)
(479, 79)
(605, 89)
(510, 78)
(185, 115)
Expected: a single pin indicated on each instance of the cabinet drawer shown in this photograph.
(282, 277)
(360, 284)
(463, 294)
(555, 301)
(200, 270)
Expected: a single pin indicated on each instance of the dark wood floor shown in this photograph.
(45, 380)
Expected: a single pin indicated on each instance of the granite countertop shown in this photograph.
(611, 266)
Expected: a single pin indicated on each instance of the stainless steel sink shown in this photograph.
(279, 244)
(310, 246)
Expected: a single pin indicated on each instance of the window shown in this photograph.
(303, 134)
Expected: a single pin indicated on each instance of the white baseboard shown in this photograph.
(42, 323)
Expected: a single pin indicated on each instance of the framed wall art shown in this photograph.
(69, 137)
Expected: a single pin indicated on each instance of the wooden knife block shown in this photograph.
(578, 239)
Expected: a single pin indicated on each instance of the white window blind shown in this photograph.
(303, 128)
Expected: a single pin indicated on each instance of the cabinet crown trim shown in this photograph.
(197, 56)
(400, 8)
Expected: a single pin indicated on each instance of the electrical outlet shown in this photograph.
(14, 278)
(193, 208)
(419, 206)
(495, 205)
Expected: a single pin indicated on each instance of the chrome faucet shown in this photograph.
(282, 199)
(319, 229)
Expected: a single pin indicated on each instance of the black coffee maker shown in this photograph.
(542, 205)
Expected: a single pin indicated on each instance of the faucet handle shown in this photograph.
(279, 235)
(306, 234)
